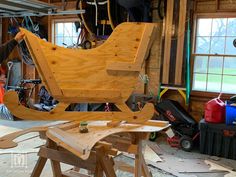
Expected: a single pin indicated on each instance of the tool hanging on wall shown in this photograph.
(95, 15)
(9, 65)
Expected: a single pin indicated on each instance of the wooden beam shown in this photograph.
(180, 43)
(167, 45)
(146, 42)
(68, 158)
(39, 167)
(41, 65)
(105, 161)
(138, 159)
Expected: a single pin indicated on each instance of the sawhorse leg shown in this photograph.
(56, 168)
(39, 167)
(140, 164)
(105, 163)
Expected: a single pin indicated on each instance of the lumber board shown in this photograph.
(59, 113)
(180, 43)
(39, 167)
(68, 158)
(167, 45)
(7, 140)
(81, 144)
(42, 66)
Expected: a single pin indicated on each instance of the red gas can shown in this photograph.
(215, 111)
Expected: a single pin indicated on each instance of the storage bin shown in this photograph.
(230, 118)
(217, 139)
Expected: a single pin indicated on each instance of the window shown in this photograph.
(64, 33)
(215, 55)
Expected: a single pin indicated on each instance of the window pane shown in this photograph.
(59, 29)
(68, 41)
(219, 27)
(229, 85)
(231, 26)
(75, 40)
(214, 83)
(199, 82)
(204, 27)
(200, 64)
(230, 66)
(59, 41)
(215, 65)
(203, 45)
(68, 29)
(230, 49)
(217, 45)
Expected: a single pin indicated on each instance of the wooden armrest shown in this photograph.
(123, 66)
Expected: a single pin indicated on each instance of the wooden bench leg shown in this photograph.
(106, 163)
(98, 170)
(145, 170)
(56, 168)
(39, 167)
(138, 161)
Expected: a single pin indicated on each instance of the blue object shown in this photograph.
(230, 114)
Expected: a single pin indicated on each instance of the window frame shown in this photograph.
(196, 16)
(53, 26)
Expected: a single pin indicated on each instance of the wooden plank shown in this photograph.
(124, 167)
(7, 140)
(105, 162)
(180, 43)
(59, 113)
(72, 173)
(39, 167)
(68, 158)
(98, 170)
(145, 170)
(56, 168)
(138, 160)
(81, 144)
(41, 65)
(81, 96)
(142, 52)
(167, 45)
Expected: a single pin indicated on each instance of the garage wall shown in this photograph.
(198, 99)
(153, 65)
(211, 6)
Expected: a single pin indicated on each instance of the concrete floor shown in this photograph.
(19, 161)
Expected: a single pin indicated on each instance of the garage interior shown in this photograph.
(118, 88)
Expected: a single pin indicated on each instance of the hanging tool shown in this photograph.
(9, 65)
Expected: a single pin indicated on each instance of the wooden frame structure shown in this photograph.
(100, 160)
(92, 151)
(107, 73)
